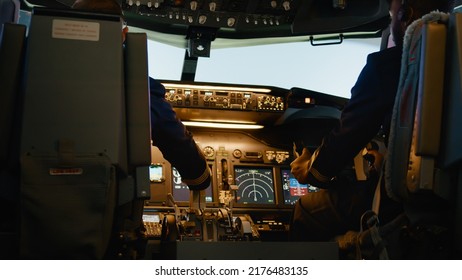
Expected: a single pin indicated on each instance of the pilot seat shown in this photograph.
(422, 169)
(84, 137)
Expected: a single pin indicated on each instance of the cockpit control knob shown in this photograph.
(212, 6)
(193, 5)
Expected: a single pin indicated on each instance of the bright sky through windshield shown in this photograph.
(329, 69)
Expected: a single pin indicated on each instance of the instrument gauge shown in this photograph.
(237, 153)
(209, 152)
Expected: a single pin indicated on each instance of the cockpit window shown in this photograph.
(331, 69)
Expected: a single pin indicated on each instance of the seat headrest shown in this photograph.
(9, 11)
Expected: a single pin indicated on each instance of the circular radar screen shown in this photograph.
(255, 185)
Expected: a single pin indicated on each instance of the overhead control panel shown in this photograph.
(236, 14)
(245, 19)
(248, 19)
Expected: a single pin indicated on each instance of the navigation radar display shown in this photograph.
(255, 185)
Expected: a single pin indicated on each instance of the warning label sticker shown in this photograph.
(75, 30)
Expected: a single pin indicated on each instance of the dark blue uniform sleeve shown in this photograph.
(369, 107)
(175, 142)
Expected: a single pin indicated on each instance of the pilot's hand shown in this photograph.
(299, 167)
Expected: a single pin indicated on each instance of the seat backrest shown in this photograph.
(424, 164)
(452, 134)
(74, 63)
(451, 152)
(85, 138)
(12, 39)
(414, 140)
(12, 42)
(9, 11)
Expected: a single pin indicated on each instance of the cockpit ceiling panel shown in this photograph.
(247, 19)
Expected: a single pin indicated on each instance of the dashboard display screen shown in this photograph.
(156, 173)
(292, 189)
(255, 185)
(151, 218)
(180, 190)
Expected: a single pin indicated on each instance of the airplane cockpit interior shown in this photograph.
(80, 177)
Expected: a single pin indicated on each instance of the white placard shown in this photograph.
(75, 30)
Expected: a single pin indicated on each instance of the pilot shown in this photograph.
(168, 133)
(338, 206)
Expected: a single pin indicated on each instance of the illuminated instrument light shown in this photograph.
(222, 125)
(231, 21)
(187, 86)
(212, 6)
(202, 19)
(193, 5)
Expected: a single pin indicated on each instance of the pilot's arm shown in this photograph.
(175, 142)
(371, 103)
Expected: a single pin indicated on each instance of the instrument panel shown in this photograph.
(252, 191)
(243, 168)
(235, 159)
(223, 97)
